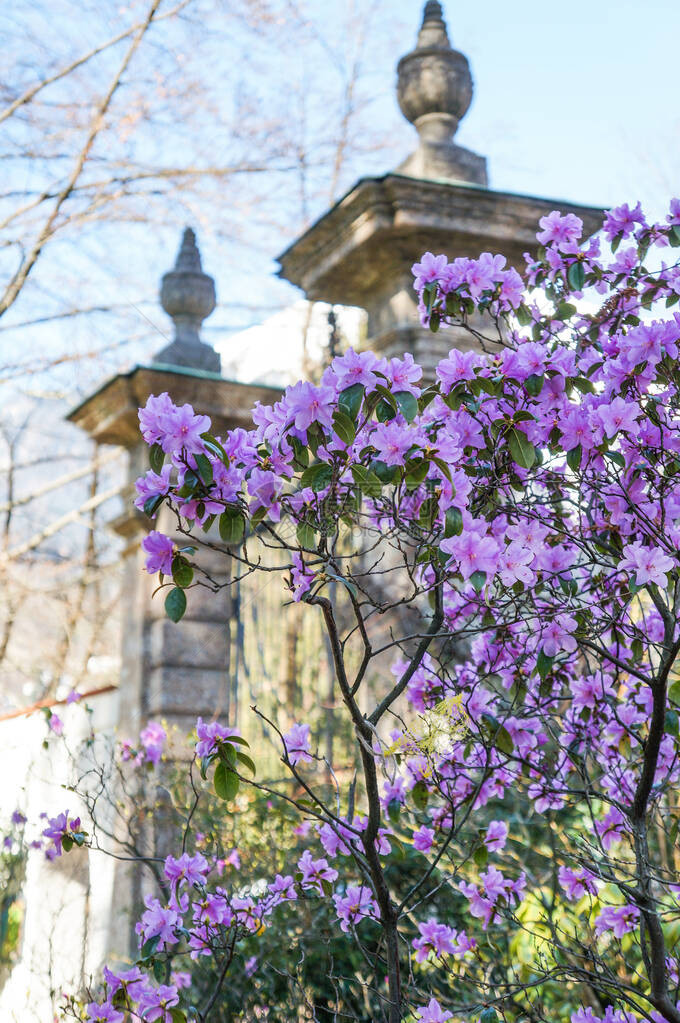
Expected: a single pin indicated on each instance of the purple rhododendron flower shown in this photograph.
(296, 741)
(104, 1013)
(210, 735)
(153, 738)
(160, 550)
(433, 1013)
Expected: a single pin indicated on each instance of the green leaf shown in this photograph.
(576, 276)
(522, 450)
(149, 947)
(246, 761)
(385, 411)
(393, 810)
(386, 473)
(306, 536)
(565, 310)
(674, 692)
(416, 471)
(672, 722)
(544, 664)
(478, 579)
(488, 1016)
(344, 426)
(454, 522)
(205, 469)
(481, 855)
(177, 1015)
(503, 740)
(225, 781)
(420, 795)
(574, 458)
(152, 504)
(350, 400)
(534, 384)
(317, 476)
(407, 404)
(182, 572)
(175, 604)
(66, 843)
(156, 457)
(523, 316)
(366, 480)
(232, 525)
(584, 385)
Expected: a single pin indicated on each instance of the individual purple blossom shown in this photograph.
(55, 723)
(283, 888)
(618, 919)
(211, 734)
(152, 484)
(356, 368)
(650, 564)
(182, 429)
(496, 836)
(159, 921)
(301, 578)
(153, 737)
(315, 872)
(616, 416)
(354, 905)
(250, 966)
(191, 870)
(404, 374)
(423, 838)
(296, 742)
(60, 827)
(472, 552)
(429, 269)
(264, 487)
(557, 635)
(435, 939)
(622, 220)
(18, 818)
(392, 440)
(576, 883)
(308, 404)
(457, 366)
(154, 415)
(181, 979)
(155, 1003)
(433, 1013)
(559, 229)
(73, 697)
(104, 1013)
(160, 551)
(610, 828)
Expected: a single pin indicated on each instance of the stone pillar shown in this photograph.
(174, 672)
(361, 251)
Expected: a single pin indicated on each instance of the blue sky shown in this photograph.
(574, 100)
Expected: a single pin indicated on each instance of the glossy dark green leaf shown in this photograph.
(156, 457)
(576, 276)
(522, 450)
(317, 476)
(420, 795)
(225, 781)
(205, 469)
(408, 405)
(182, 572)
(350, 400)
(175, 604)
(232, 525)
(454, 522)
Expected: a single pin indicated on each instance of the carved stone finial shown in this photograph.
(434, 89)
(188, 297)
